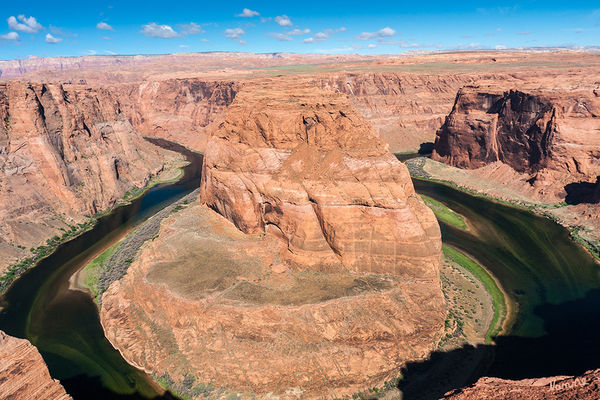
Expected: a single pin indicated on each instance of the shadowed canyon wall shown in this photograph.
(553, 136)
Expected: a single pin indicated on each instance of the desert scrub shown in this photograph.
(112, 265)
(490, 285)
(444, 213)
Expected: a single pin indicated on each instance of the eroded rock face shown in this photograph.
(65, 152)
(308, 168)
(406, 109)
(23, 373)
(584, 387)
(552, 135)
(208, 302)
(183, 110)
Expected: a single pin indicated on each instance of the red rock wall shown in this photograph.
(23, 373)
(65, 152)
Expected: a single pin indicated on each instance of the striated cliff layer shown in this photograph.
(342, 290)
(182, 110)
(23, 373)
(406, 109)
(65, 152)
(553, 136)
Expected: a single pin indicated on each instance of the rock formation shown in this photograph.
(340, 293)
(65, 152)
(23, 373)
(554, 136)
(303, 165)
(584, 387)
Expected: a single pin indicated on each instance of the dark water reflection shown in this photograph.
(552, 283)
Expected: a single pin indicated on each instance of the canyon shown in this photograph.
(65, 153)
(307, 265)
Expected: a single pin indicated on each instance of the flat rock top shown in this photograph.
(208, 257)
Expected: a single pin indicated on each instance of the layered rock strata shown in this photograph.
(552, 136)
(584, 387)
(23, 373)
(65, 152)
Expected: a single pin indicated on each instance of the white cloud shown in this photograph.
(27, 25)
(319, 36)
(366, 36)
(372, 45)
(283, 20)
(323, 35)
(104, 26)
(248, 13)
(52, 40)
(191, 29)
(112, 53)
(524, 33)
(384, 32)
(183, 46)
(500, 47)
(92, 52)
(10, 36)
(282, 37)
(106, 38)
(243, 42)
(299, 32)
(160, 31)
(234, 34)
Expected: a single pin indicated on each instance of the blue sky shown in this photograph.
(75, 28)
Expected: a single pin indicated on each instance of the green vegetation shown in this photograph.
(94, 269)
(488, 282)
(189, 389)
(444, 213)
(42, 251)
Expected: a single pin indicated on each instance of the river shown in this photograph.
(64, 324)
(552, 283)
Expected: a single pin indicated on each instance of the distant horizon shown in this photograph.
(409, 53)
(45, 29)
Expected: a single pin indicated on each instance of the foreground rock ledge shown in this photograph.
(23, 373)
(343, 292)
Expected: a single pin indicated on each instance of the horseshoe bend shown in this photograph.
(237, 225)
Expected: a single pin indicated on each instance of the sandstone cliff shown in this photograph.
(553, 136)
(342, 290)
(406, 109)
(584, 387)
(182, 110)
(65, 152)
(23, 373)
(308, 168)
